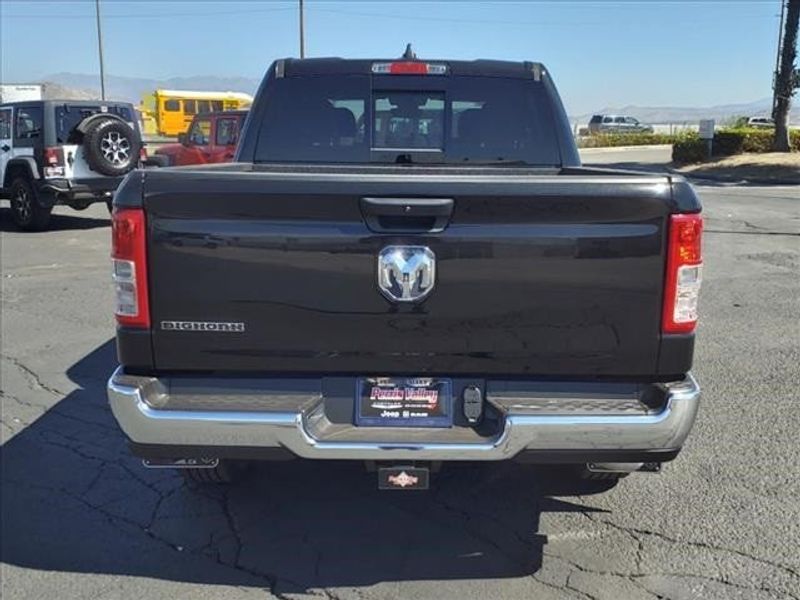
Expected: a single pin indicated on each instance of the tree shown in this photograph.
(739, 121)
(786, 77)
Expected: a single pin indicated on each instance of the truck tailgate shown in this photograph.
(555, 275)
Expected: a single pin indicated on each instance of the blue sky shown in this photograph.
(601, 53)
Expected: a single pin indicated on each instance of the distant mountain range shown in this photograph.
(668, 114)
(131, 89)
(56, 91)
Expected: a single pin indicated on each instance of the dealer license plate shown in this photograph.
(404, 402)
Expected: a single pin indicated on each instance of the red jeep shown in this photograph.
(211, 138)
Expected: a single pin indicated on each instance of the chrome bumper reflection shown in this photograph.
(294, 430)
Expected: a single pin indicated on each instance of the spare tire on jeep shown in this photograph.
(111, 146)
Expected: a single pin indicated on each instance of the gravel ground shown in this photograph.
(771, 167)
(82, 519)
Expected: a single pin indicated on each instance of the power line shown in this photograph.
(408, 16)
(420, 19)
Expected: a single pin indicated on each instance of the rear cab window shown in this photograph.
(200, 133)
(315, 119)
(388, 119)
(408, 120)
(227, 132)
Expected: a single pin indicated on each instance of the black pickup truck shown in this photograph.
(405, 265)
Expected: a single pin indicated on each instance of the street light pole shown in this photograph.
(100, 51)
(302, 33)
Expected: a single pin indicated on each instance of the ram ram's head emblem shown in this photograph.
(406, 273)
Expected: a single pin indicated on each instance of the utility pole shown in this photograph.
(100, 51)
(302, 33)
(786, 79)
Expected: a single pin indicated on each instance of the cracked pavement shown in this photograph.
(83, 519)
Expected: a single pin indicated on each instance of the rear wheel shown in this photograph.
(26, 211)
(226, 471)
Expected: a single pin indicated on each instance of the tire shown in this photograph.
(26, 211)
(226, 472)
(111, 147)
(158, 161)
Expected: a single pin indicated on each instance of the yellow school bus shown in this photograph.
(169, 112)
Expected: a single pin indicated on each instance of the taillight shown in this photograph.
(129, 260)
(54, 162)
(408, 68)
(142, 154)
(53, 157)
(684, 273)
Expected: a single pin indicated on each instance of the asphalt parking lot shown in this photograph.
(82, 519)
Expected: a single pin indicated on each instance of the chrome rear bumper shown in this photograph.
(305, 431)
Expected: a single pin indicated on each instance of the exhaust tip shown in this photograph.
(180, 463)
(618, 467)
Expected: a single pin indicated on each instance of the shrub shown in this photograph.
(744, 139)
(610, 140)
(728, 142)
(689, 150)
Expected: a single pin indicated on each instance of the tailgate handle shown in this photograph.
(407, 215)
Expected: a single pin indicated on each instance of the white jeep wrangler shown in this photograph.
(64, 152)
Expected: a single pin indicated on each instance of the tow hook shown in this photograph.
(410, 475)
(403, 477)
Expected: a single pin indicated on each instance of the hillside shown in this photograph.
(56, 91)
(131, 89)
(670, 114)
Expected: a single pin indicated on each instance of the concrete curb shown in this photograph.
(734, 180)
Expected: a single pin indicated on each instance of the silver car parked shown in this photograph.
(617, 124)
